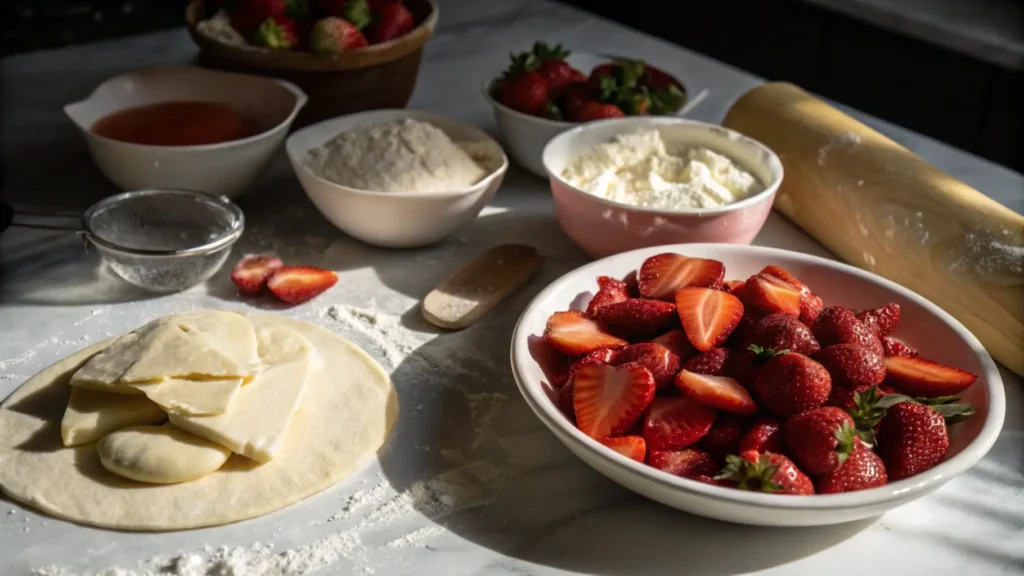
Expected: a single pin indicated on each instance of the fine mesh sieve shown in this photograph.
(161, 240)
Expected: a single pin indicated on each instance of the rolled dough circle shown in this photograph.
(348, 409)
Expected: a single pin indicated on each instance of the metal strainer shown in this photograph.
(158, 240)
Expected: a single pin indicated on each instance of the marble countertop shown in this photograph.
(470, 482)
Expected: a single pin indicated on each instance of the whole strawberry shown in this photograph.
(248, 15)
(390, 21)
(912, 438)
(636, 318)
(851, 365)
(355, 11)
(789, 384)
(881, 321)
(590, 111)
(574, 96)
(523, 88)
(782, 332)
(765, 435)
(555, 69)
(894, 347)
(820, 440)
(766, 472)
(333, 35)
(714, 362)
(724, 437)
(278, 32)
(862, 470)
(609, 291)
(659, 361)
(838, 325)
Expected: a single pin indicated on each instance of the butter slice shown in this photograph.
(258, 419)
(208, 344)
(193, 397)
(90, 415)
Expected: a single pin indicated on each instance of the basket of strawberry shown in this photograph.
(548, 89)
(751, 384)
(347, 55)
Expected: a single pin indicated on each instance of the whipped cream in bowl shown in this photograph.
(630, 183)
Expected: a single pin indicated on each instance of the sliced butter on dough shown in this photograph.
(257, 421)
(160, 455)
(90, 415)
(192, 397)
(277, 344)
(210, 344)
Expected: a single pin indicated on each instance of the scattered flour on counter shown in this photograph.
(416, 538)
(383, 330)
(848, 139)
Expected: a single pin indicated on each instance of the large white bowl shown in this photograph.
(226, 169)
(395, 219)
(923, 325)
(525, 136)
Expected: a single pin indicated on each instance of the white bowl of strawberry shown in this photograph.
(549, 89)
(756, 385)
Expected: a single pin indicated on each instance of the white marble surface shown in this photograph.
(511, 500)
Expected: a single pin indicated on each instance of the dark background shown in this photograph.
(952, 96)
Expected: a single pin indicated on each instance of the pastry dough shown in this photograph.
(160, 454)
(192, 397)
(201, 345)
(347, 411)
(90, 415)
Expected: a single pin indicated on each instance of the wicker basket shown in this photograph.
(379, 76)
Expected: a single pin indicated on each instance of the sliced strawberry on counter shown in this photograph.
(708, 316)
(574, 334)
(725, 436)
(607, 400)
(881, 321)
(676, 423)
(719, 392)
(659, 361)
(632, 447)
(677, 342)
(912, 438)
(602, 356)
(926, 379)
(714, 362)
(838, 325)
(636, 318)
(297, 284)
(251, 272)
(610, 291)
(781, 332)
(765, 435)
(894, 347)
(766, 472)
(662, 275)
(765, 294)
(789, 384)
(820, 440)
(687, 462)
(862, 470)
(851, 365)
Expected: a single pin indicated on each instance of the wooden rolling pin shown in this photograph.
(878, 206)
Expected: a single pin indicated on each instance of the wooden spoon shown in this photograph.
(480, 285)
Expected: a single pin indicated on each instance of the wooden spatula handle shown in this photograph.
(880, 207)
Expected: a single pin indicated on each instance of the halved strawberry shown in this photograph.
(708, 316)
(574, 334)
(676, 423)
(926, 379)
(662, 275)
(677, 342)
(659, 361)
(609, 291)
(730, 286)
(720, 392)
(608, 400)
(297, 284)
(894, 347)
(767, 294)
(566, 401)
(251, 272)
(637, 318)
(688, 462)
(632, 447)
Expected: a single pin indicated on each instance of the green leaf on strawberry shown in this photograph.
(358, 13)
(552, 111)
(748, 475)
(667, 101)
(542, 52)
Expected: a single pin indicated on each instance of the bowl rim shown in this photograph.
(396, 113)
(551, 416)
(300, 102)
(774, 165)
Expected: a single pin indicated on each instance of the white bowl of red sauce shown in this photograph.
(186, 128)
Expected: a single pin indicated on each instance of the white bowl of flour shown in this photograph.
(397, 178)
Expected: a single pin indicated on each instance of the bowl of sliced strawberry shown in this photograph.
(756, 385)
(549, 89)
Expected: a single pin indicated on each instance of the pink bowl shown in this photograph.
(602, 227)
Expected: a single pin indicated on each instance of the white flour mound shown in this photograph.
(399, 156)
